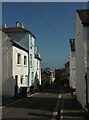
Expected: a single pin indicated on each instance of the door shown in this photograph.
(86, 89)
(16, 85)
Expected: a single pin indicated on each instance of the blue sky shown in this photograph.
(53, 24)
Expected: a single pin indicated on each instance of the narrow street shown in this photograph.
(42, 105)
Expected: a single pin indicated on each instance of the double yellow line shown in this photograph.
(55, 113)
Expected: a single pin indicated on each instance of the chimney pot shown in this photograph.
(22, 25)
(5, 26)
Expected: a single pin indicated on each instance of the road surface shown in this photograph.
(41, 106)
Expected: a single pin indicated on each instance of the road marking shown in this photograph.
(72, 111)
(17, 101)
(69, 117)
(32, 95)
(55, 113)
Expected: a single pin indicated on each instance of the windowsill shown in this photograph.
(25, 65)
(19, 65)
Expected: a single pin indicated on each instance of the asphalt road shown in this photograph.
(41, 106)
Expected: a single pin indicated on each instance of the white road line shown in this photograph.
(17, 101)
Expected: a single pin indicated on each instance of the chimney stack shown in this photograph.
(17, 24)
(22, 25)
(5, 26)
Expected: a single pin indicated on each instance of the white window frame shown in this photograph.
(19, 59)
(25, 60)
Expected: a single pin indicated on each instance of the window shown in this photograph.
(31, 60)
(18, 58)
(25, 60)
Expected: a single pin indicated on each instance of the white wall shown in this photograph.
(7, 78)
(88, 60)
(72, 81)
(86, 54)
(20, 69)
(37, 70)
(80, 65)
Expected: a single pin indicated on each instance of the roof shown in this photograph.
(14, 43)
(84, 16)
(72, 44)
(19, 46)
(16, 29)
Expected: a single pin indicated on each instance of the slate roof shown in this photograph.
(13, 42)
(16, 29)
(19, 46)
(72, 44)
(84, 16)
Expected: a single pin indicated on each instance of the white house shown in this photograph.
(37, 71)
(82, 56)
(72, 80)
(14, 67)
(25, 39)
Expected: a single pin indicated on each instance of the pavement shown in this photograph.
(71, 108)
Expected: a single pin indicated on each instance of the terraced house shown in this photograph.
(26, 40)
(14, 67)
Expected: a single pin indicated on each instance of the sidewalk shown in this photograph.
(71, 108)
(6, 101)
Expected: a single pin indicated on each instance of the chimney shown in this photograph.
(22, 25)
(17, 24)
(5, 26)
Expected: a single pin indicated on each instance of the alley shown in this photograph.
(42, 105)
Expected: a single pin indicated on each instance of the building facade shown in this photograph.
(82, 56)
(27, 40)
(14, 67)
(72, 80)
(37, 81)
(47, 77)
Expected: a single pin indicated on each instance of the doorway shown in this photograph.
(16, 84)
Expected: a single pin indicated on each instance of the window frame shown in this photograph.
(18, 59)
(25, 60)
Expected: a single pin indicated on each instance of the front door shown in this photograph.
(16, 85)
(86, 89)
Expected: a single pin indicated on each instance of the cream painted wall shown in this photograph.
(72, 81)
(37, 70)
(10, 68)
(86, 54)
(20, 69)
(80, 63)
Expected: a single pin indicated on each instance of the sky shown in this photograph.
(53, 24)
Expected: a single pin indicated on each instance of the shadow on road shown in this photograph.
(38, 107)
